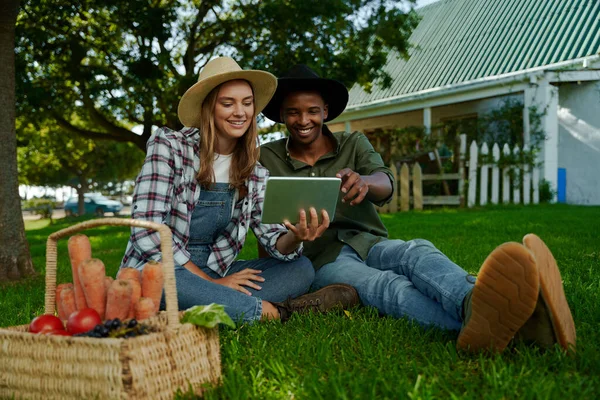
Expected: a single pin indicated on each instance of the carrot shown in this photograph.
(68, 305)
(80, 250)
(59, 305)
(144, 308)
(118, 299)
(153, 282)
(135, 277)
(136, 293)
(129, 273)
(108, 280)
(91, 276)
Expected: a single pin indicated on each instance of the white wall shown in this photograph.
(579, 140)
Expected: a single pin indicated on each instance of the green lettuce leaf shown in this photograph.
(207, 316)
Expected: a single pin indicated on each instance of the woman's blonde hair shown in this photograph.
(246, 152)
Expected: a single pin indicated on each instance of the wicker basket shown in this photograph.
(176, 357)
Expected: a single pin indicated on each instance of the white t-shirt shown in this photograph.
(221, 167)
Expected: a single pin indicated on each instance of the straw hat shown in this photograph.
(215, 72)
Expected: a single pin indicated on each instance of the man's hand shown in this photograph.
(240, 279)
(304, 231)
(353, 185)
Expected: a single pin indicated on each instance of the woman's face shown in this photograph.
(234, 111)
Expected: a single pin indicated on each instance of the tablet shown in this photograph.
(286, 196)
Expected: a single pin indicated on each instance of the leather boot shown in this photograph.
(337, 296)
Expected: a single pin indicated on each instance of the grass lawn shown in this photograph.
(366, 356)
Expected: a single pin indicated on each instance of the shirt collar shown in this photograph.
(190, 131)
(296, 164)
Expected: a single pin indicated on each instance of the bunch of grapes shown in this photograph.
(115, 328)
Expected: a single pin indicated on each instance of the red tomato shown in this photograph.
(57, 332)
(83, 320)
(45, 322)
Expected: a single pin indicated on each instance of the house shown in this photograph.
(471, 55)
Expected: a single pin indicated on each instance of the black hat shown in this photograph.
(303, 79)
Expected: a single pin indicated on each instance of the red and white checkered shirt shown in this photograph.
(166, 192)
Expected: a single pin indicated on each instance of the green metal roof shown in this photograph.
(463, 40)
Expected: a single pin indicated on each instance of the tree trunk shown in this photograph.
(15, 259)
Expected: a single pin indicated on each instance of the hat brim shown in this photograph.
(334, 94)
(263, 85)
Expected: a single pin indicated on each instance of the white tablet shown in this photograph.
(286, 196)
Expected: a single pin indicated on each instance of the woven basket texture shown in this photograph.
(176, 357)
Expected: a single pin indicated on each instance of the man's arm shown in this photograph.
(375, 188)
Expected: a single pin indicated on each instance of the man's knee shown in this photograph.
(422, 244)
(302, 270)
(351, 274)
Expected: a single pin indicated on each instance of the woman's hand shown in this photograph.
(304, 231)
(240, 279)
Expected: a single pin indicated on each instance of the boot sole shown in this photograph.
(552, 292)
(504, 297)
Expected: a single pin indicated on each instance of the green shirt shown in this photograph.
(359, 226)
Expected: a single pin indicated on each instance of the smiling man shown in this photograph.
(518, 291)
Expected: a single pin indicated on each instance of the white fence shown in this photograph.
(523, 188)
(487, 184)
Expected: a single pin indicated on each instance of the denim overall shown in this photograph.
(210, 217)
(283, 279)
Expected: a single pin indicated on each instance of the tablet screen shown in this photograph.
(286, 196)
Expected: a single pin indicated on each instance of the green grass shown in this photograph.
(367, 356)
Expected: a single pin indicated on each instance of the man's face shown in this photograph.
(303, 114)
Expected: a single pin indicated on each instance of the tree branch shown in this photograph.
(190, 52)
(66, 125)
(98, 118)
(138, 140)
(167, 59)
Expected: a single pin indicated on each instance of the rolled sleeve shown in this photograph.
(267, 235)
(369, 162)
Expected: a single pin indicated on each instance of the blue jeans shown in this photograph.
(404, 279)
(283, 279)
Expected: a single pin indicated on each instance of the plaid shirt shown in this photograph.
(166, 192)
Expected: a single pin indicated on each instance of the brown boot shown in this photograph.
(552, 321)
(337, 296)
(502, 300)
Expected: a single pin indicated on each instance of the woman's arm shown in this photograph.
(153, 197)
(237, 281)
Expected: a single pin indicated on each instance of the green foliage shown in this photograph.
(41, 207)
(207, 316)
(49, 156)
(547, 194)
(500, 125)
(115, 64)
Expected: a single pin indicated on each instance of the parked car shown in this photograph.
(94, 204)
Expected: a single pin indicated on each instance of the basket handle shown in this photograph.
(165, 247)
